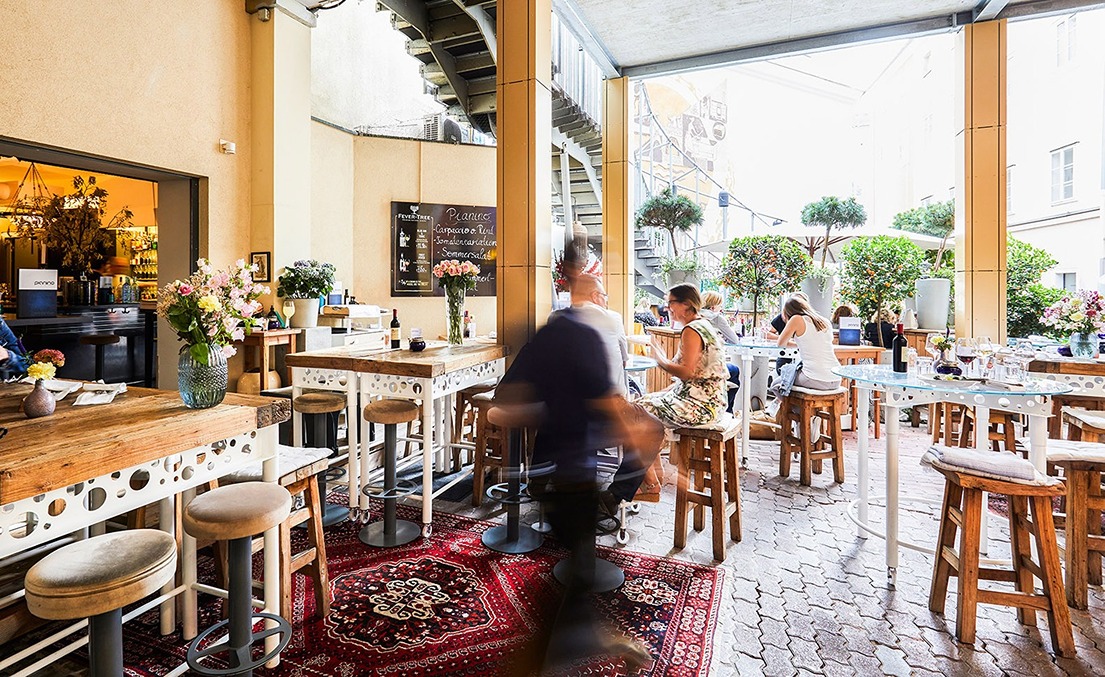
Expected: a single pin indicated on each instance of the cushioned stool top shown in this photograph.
(99, 339)
(725, 427)
(483, 399)
(996, 465)
(319, 403)
(1094, 419)
(391, 412)
(237, 511)
(516, 415)
(288, 461)
(100, 574)
(1059, 451)
(818, 393)
(480, 388)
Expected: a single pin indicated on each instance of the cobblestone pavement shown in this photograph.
(805, 596)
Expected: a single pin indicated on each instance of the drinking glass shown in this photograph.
(924, 366)
(966, 350)
(985, 350)
(288, 309)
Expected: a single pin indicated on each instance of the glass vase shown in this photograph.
(946, 364)
(454, 313)
(202, 376)
(1084, 345)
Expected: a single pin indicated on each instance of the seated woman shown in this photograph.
(885, 321)
(814, 337)
(643, 315)
(711, 311)
(698, 396)
(843, 311)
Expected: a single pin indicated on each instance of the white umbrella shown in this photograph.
(811, 238)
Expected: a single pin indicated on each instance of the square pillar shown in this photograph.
(617, 225)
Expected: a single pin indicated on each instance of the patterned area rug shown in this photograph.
(449, 606)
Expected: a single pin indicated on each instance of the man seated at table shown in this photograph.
(12, 362)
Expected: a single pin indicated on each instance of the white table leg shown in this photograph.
(745, 378)
(447, 435)
(862, 478)
(982, 445)
(357, 433)
(427, 459)
(892, 425)
(167, 520)
(1037, 438)
(267, 439)
(364, 465)
(189, 603)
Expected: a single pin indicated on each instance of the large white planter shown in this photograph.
(820, 298)
(682, 276)
(306, 313)
(933, 302)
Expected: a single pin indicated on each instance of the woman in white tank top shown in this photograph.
(814, 336)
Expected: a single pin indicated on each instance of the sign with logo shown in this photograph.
(37, 293)
(34, 278)
(424, 234)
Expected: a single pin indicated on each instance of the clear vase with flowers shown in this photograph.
(1082, 315)
(455, 277)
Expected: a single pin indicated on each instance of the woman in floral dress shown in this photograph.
(699, 395)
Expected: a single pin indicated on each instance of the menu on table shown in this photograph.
(424, 234)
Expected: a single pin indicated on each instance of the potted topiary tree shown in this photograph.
(763, 267)
(305, 282)
(878, 272)
(672, 213)
(830, 213)
(933, 290)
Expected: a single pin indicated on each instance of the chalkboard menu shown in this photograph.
(424, 234)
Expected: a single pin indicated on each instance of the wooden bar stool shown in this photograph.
(1084, 425)
(491, 449)
(94, 579)
(945, 422)
(800, 408)
(131, 334)
(1083, 464)
(709, 478)
(236, 514)
(963, 510)
(320, 411)
(300, 469)
(390, 531)
(464, 424)
(1001, 431)
(100, 341)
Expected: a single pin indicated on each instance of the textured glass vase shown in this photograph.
(1083, 345)
(454, 313)
(202, 382)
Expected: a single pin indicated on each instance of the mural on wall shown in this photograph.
(423, 234)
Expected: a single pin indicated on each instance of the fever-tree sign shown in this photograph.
(424, 234)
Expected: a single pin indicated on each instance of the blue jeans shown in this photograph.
(734, 378)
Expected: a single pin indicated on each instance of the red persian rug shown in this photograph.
(449, 606)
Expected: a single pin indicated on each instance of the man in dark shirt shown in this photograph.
(12, 361)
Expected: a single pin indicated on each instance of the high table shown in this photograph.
(72, 470)
(1087, 377)
(904, 390)
(431, 376)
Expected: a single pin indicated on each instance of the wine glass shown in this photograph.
(985, 350)
(966, 350)
(288, 309)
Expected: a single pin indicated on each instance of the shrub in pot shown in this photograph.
(879, 272)
(670, 212)
(763, 267)
(305, 282)
(830, 213)
(933, 290)
(679, 269)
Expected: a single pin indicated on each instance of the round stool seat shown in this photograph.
(100, 574)
(391, 412)
(516, 415)
(319, 403)
(483, 387)
(237, 511)
(99, 339)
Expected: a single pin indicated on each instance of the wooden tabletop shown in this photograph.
(75, 444)
(1067, 365)
(435, 360)
(270, 336)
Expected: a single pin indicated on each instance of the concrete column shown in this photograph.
(524, 91)
(617, 224)
(280, 146)
(980, 220)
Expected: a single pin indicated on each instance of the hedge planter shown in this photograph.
(820, 292)
(933, 302)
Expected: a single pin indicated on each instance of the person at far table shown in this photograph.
(711, 310)
(644, 316)
(885, 320)
(845, 310)
(813, 335)
(12, 360)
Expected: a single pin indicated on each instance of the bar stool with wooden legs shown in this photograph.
(491, 446)
(709, 478)
(100, 342)
(799, 409)
(945, 421)
(464, 425)
(236, 514)
(1001, 431)
(94, 579)
(963, 509)
(320, 411)
(390, 531)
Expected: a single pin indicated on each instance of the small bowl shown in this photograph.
(418, 345)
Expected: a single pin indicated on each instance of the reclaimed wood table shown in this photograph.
(1087, 377)
(431, 376)
(261, 341)
(72, 470)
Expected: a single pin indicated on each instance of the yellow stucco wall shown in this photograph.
(121, 80)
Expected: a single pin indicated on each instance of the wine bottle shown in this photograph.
(394, 327)
(899, 347)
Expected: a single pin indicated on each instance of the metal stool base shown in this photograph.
(333, 514)
(405, 532)
(498, 539)
(246, 664)
(608, 576)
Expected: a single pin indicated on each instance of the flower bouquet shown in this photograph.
(41, 402)
(455, 277)
(209, 311)
(1082, 314)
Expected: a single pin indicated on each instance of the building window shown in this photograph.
(1062, 174)
(1009, 189)
(1067, 281)
(1066, 40)
(926, 201)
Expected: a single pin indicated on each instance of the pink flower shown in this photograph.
(229, 351)
(238, 334)
(186, 289)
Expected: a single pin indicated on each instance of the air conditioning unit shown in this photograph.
(441, 127)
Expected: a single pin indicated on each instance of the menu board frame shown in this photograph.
(424, 233)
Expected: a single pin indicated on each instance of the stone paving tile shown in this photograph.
(805, 595)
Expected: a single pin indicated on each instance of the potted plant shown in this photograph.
(305, 282)
(763, 267)
(72, 224)
(830, 213)
(933, 291)
(679, 269)
(669, 212)
(878, 272)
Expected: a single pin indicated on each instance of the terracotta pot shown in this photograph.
(40, 402)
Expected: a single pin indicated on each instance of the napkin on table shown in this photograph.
(100, 393)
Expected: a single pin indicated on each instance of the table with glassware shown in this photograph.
(1086, 376)
(431, 376)
(1031, 397)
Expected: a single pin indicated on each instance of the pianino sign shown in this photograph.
(424, 234)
